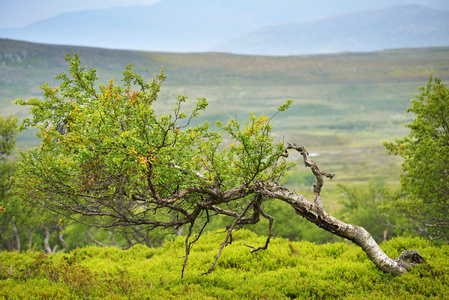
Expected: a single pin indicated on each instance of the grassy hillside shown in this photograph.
(298, 270)
(345, 105)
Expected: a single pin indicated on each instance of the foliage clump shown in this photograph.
(10, 209)
(424, 195)
(107, 153)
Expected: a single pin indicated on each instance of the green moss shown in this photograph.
(286, 270)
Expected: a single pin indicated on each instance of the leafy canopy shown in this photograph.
(106, 152)
(424, 194)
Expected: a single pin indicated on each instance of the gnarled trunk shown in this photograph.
(315, 213)
(356, 234)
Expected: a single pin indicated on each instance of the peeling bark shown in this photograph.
(356, 234)
(315, 213)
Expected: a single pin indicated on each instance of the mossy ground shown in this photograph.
(287, 270)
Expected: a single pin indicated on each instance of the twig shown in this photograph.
(228, 235)
(270, 231)
(189, 244)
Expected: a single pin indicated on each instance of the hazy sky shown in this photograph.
(16, 13)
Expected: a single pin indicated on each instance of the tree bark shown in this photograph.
(30, 239)
(112, 239)
(92, 239)
(16, 236)
(356, 234)
(48, 248)
(315, 213)
(63, 242)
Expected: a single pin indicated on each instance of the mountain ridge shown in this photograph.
(175, 26)
(394, 27)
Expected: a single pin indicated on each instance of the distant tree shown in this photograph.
(18, 219)
(9, 224)
(424, 194)
(118, 163)
(23, 224)
(363, 205)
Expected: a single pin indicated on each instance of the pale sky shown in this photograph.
(17, 13)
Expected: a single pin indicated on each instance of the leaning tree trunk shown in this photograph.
(356, 234)
(315, 213)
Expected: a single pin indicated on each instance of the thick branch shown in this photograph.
(356, 234)
(315, 170)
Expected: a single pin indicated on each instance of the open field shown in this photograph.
(345, 105)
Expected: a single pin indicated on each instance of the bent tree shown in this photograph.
(107, 159)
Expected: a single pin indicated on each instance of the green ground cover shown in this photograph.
(286, 270)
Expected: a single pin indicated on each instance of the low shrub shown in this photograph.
(286, 270)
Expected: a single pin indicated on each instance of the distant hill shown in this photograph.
(26, 66)
(344, 102)
(393, 27)
(236, 26)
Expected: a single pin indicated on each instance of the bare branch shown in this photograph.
(315, 170)
(189, 244)
(258, 206)
(228, 235)
(92, 239)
